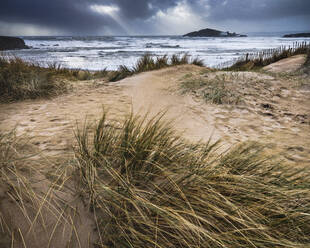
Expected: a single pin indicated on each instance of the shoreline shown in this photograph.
(111, 52)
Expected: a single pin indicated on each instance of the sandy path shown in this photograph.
(51, 122)
(287, 65)
(285, 126)
(158, 91)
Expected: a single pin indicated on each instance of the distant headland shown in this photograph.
(298, 35)
(212, 33)
(11, 43)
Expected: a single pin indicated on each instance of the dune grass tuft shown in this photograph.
(308, 59)
(14, 187)
(21, 80)
(148, 63)
(36, 211)
(122, 72)
(198, 62)
(150, 188)
(216, 90)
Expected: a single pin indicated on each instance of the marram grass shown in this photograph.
(148, 63)
(21, 80)
(267, 57)
(217, 90)
(35, 211)
(148, 187)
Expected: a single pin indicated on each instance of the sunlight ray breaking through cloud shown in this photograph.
(113, 12)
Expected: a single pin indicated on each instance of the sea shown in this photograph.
(109, 52)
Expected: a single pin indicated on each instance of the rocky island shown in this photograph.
(212, 33)
(299, 35)
(11, 43)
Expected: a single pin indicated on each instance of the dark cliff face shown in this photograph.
(300, 35)
(212, 33)
(11, 43)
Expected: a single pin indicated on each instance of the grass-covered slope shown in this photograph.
(148, 63)
(21, 80)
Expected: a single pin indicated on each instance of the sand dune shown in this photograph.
(273, 105)
(275, 110)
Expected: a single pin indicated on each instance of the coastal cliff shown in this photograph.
(11, 43)
(212, 33)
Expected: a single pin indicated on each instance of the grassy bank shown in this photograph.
(150, 188)
(267, 57)
(21, 80)
(148, 63)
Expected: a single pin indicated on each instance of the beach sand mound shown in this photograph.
(273, 109)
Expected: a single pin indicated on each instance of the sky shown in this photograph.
(150, 17)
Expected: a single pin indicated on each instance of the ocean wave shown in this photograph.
(160, 45)
(69, 38)
(62, 50)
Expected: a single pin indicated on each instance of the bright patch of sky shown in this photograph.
(177, 20)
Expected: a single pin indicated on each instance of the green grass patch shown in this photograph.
(148, 187)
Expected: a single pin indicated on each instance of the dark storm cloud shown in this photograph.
(258, 9)
(73, 15)
(142, 8)
(76, 16)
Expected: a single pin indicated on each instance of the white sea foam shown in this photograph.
(95, 53)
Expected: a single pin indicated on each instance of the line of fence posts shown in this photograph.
(270, 55)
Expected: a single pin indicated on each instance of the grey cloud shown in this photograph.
(76, 17)
(68, 15)
(141, 8)
(258, 9)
